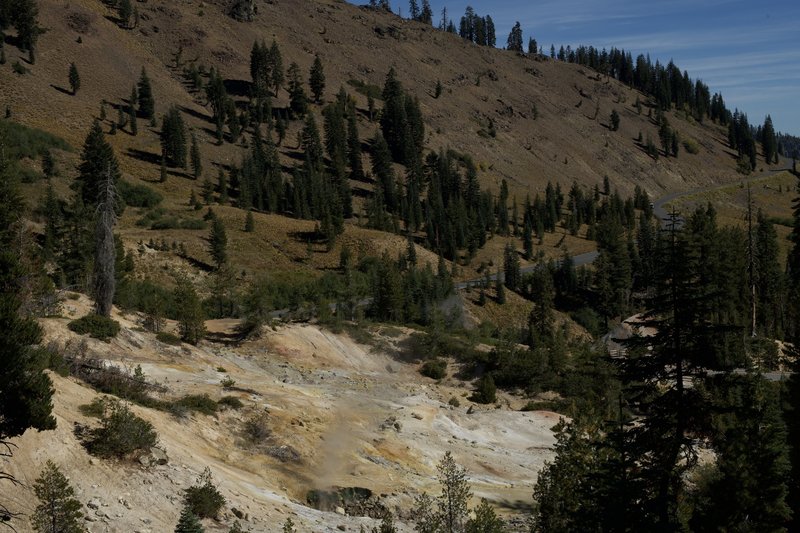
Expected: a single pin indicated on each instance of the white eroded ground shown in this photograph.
(354, 416)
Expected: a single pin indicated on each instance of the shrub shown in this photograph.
(256, 428)
(95, 409)
(204, 500)
(96, 326)
(454, 402)
(486, 391)
(200, 403)
(434, 369)
(230, 402)
(17, 67)
(136, 195)
(589, 319)
(228, 382)
(366, 89)
(168, 338)
(121, 433)
(691, 146)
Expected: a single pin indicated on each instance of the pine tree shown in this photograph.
(147, 103)
(132, 111)
(276, 67)
(58, 510)
(24, 15)
(426, 13)
(485, 521)
(222, 187)
(614, 120)
(173, 138)
(74, 78)
(452, 503)
(249, 223)
(316, 79)
(125, 10)
(218, 242)
(658, 368)
(97, 159)
(189, 312)
(515, 38)
(511, 267)
(26, 391)
(188, 522)
(197, 160)
(298, 101)
(768, 142)
(748, 487)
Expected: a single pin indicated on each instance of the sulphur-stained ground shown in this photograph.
(341, 414)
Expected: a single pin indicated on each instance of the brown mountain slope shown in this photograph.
(568, 140)
(362, 44)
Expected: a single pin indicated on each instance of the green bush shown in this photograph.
(200, 403)
(691, 146)
(589, 319)
(25, 142)
(454, 402)
(168, 338)
(96, 326)
(204, 500)
(366, 89)
(18, 68)
(158, 219)
(486, 392)
(121, 433)
(95, 409)
(256, 428)
(434, 369)
(230, 402)
(136, 195)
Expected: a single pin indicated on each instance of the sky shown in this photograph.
(749, 51)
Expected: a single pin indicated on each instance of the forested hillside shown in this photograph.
(354, 214)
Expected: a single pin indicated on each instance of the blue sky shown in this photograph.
(747, 50)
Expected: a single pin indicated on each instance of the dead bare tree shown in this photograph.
(104, 282)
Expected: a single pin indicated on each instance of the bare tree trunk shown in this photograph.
(104, 282)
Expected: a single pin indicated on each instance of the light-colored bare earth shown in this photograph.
(354, 416)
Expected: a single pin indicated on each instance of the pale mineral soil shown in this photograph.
(327, 398)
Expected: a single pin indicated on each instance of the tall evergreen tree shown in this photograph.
(298, 101)
(769, 142)
(748, 485)
(276, 66)
(511, 272)
(218, 242)
(147, 103)
(132, 111)
(173, 138)
(316, 79)
(26, 391)
(189, 311)
(196, 158)
(426, 13)
(97, 160)
(657, 374)
(515, 38)
(74, 78)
